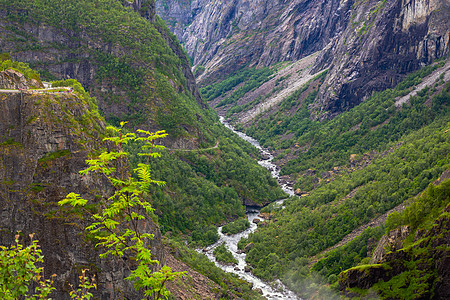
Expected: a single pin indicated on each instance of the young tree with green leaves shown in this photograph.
(118, 226)
(18, 270)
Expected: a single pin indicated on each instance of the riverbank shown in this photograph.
(272, 291)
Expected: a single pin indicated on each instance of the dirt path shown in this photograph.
(189, 150)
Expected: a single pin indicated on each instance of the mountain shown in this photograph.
(352, 99)
(403, 255)
(47, 136)
(45, 139)
(366, 45)
(134, 70)
(134, 76)
(131, 63)
(351, 173)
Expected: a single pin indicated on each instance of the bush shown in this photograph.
(223, 255)
(236, 226)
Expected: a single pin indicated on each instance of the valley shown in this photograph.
(174, 149)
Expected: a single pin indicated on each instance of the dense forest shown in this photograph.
(355, 168)
(203, 187)
(127, 71)
(139, 75)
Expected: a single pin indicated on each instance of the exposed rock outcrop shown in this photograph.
(383, 41)
(425, 263)
(367, 45)
(224, 36)
(11, 79)
(44, 141)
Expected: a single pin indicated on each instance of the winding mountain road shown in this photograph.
(189, 150)
(46, 90)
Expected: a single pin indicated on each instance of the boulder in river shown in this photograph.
(266, 216)
(256, 220)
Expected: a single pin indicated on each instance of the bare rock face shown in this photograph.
(366, 45)
(11, 79)
(393, 241)
(383, 41)
(227, 35)
(177, 14)
(44, 141)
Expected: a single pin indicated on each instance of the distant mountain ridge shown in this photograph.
(367, 45)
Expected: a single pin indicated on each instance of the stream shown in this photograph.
(275, 290)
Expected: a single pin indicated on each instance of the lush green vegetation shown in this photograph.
(424, 210)
(19, 268)
(207, 187)
(203, 188)
(249, 79)
(24, 68)
(228, 282)
(115, 226)
(144, 69)
(236, 226)
(408, 150)
(223, 255)
(413, 274)
(311, 224)
(346, 256)
(362, 129)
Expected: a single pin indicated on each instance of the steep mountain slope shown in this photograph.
(45, 139)
(276, 68)
(133, 65)
(367, 45)
(410, 261)
(128, 59)
(348, 171)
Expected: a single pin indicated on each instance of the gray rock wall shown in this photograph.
(44, 142)
(367, 45)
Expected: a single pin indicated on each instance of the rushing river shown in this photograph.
(275, 290)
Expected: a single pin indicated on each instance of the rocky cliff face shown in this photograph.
(367, 45)
(225, 36)
(383, 41)
(424, 267)
(135, 68)
(44, 141)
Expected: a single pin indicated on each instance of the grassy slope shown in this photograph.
(409, 149)
(203, 188)
(415, 269)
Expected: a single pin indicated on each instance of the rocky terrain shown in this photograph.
(44, 142)
(422, 264)
(367, 45)
(126, 77)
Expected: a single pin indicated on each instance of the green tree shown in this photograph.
(18, 270)
(118, 227)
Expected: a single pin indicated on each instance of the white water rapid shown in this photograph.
(272, 291)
